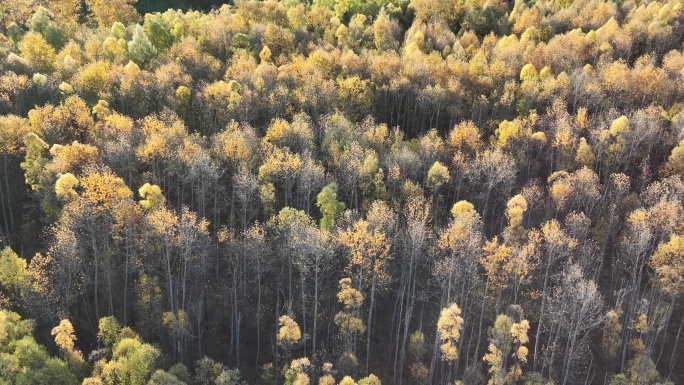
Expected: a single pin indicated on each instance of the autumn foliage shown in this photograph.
(341, 191)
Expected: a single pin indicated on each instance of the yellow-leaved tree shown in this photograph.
(668, 264)
(65, 339)
(449, 328)
(152, 197)
(507, 338)
(289, 334)
(108, 12)
(39, 54)
(369, 255)
(348, 321)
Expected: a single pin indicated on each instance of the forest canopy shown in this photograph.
(341, 192)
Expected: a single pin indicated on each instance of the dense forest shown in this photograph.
(342, 191)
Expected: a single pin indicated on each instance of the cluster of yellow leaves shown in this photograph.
(555, 237)
(14, 273)
(163, 222)
(348, 296)
(302, 379)
(225, 93)
(576, 189)
(65, 187)
(507, 335)
(668, 264)
(619, 126)
(640, 323)
(300, 364)
(74, 158)
(232, 144)
(40, 55)
(463, 234)
(107, 12)
(113, 127)
(71, 119)
(494, 358)
(437, 176)
(612, 331)
(378, 136)
(368, 249)
(519, 335)
(675, 162)
(295, 135)
(12, 84)
(354, 96)
(351, 299)
(39, 269)
(12, 132)
(94, 79)
(176, 322)
(326, 380)
(349, 323)
(515, 210)
(585, 155)
(64, 335)
(495, 260)
(65, 338)
(289, 332)
(104, 190)
(127, 351)
(160, 139)
(508, 132)
(463, 209)
(152, 197)
(347, 381)
(449, 328)
(280, 164)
